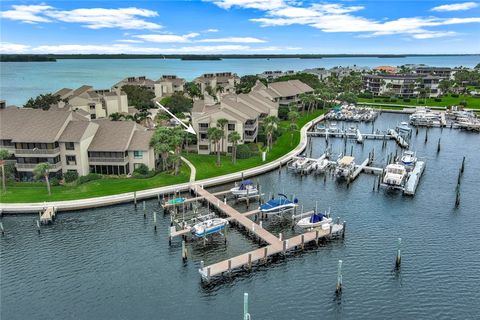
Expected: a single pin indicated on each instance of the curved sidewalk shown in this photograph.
(150, 193)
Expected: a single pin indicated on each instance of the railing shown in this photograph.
(251, 126)
(92, 159)
(203, 141)
(31, 166)
(37, 151)
(202, 129)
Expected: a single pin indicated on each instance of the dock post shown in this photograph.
(184, 251)
(426, 135)
(457, 198)
(155, 221)
(374, 183)
(1, 228)
(144, 212)
(246, 315)
(330, 233)
(438, 145)
(338, 289)
(463, 165)
(229, 265)
(284, 246)
(351, 151)
(38, 226)
(135, 199)
(249, 261)
(265, 254)
(261, 224)
(316, 237)
(303, 241)
(343, 229)
(158, 199)
(398, 259)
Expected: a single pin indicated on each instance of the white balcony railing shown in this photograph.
(31, 166)
(116, 160)
(37, 151)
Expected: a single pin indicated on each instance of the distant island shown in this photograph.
(55, 57)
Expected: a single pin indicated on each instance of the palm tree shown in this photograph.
(116, 116)
(292, 128)
(221, 123)
(4, 154)
(176, 141)
(234, 137)
(164, 150)
(42, 170)
(161, 144)
(270, 124)
(219, 90)
(215, 135)
(293, 116)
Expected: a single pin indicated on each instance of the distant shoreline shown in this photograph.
(202, 57)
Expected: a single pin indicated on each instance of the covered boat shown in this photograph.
(176, 201)
(245, 188)
(209, 226)
(408, 158)
(345, 167)
(278, 205)
(315, 220)
(395, 175)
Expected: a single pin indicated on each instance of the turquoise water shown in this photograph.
(20, 80)
(107, 263)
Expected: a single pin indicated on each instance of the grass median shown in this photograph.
(472, 102)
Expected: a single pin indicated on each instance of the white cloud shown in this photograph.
(130, 41)
(456, 6)
(8, 47)
(233, 40)
(167, 38)
(93, 18)
(332, 17)
(26, 13)
(212, 30)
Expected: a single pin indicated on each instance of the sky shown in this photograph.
(240, 26)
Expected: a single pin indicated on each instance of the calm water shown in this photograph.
(107, 263)
(20, 80)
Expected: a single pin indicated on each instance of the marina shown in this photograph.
(153, 269)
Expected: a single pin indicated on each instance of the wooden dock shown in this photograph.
(359, 169)
(48, 215)
(274, 245)
(167, 205)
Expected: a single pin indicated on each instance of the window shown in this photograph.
(93, 116)
(138, 154)
(203, 147)
(69, 146)
(71, 160)
(231, 126)
(229, 149)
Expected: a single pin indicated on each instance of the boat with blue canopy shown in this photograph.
(245, 188)
(315, 220)
(278, 205)
(208, 227)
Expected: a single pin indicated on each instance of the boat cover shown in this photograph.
(275, 203)
(245, 183)
(316, 218)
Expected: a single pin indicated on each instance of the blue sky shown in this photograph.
(240, 26)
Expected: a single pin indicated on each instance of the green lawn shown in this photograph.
(205, 164)
(472, 102)
(37, 192)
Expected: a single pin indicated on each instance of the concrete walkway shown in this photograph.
(193, 170)
(151, 193)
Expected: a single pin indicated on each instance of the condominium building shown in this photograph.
(169, 85)
(96, 103)
(271, 75)
(70, 142)
(442, 72)
(403, 85)
(165, 86)
(283, 92)
(222, 82)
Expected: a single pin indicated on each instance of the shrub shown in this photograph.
(421, 102)
(138, 175)
(283, 112)
(454, 95)
(406, 100)
(244, 151)
(463, 103)
(54, 182)
(438, 99)
(141, 169)
(393, 100)
(89, 177)
(70, 176)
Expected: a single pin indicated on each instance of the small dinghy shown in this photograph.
(278, 205)
(315, 220)
(176, 201)
(209, 226)
(245, 188)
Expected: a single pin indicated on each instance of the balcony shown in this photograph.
(250, 125)
(202, 129)
(31, 166)
(203, 141)
(37, 151)
(104, 160)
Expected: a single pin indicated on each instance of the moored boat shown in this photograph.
(313, 221)
(278, 205)
(345, 167)
(395, 175)
(408, 158)
(245, 188)
(209, 226)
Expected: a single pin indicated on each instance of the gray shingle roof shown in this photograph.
(141, 140)
(113, 135)
(32, 125)
(75, 130)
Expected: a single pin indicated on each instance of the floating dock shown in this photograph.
(361, 136)
(48, 215)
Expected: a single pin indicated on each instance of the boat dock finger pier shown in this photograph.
(275, 245)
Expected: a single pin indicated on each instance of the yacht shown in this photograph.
(345, 167)
(395, 175)
(408, 158)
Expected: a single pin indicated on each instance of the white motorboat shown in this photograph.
(345, 167)
(278, 205)
(408, 158)
(209, 226)
(298, 164)
(245, 188)
(313, 221)
(321, 165)
(404, 129)
(395, 175)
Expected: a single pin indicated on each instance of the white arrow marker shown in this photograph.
(188, 128)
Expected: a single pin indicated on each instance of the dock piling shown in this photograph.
(249, 261)
(184, 251)
(398, 259)
(338, 289)
(246, 315)
(135, 199)
(144, 212)
(343, 229)
(1, 228)
(438, 145)
(38, 226)
(463, 165)
(154, 221)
